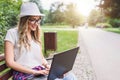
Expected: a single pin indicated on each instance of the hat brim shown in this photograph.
(22, 15)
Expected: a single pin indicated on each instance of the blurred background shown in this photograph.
(64, 14)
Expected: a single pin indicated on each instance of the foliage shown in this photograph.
(116, 30)
(103, 25)
(96, 17)
(64, 14)
(110, 8)
(56, 14)
(114, 22)
(9, 10)
(72, 16)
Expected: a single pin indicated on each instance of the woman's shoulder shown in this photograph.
(13, 30)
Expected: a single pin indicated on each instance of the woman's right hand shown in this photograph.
(42, 72)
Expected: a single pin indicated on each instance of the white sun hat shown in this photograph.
(30, 9)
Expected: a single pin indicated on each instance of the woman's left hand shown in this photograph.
(47, 67)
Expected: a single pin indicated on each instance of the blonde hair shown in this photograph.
(22, 32)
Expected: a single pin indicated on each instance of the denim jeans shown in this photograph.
(69, 76)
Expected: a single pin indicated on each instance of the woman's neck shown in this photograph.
(29, 36)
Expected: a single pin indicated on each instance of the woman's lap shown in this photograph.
(39, 78)
(22, 76)
(69, 76)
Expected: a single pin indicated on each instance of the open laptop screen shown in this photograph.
(62, 63)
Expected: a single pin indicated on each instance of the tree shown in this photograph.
(64, 14)
(96, 17)
(110, 8)
(56, 13)
(73, 17)
(9, 10)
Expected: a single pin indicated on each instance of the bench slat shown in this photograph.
(6, 75)
(3, 67)
(2, 58)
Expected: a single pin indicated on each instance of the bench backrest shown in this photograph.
(5, 72)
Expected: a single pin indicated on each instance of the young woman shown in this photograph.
(23, 50)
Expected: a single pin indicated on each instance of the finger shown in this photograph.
(47, 69)
(45, 72)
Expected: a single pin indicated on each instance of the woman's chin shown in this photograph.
(33, 29)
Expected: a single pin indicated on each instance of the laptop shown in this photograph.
(62, 63)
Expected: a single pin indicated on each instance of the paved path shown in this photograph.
(82, 67)
(102, 50)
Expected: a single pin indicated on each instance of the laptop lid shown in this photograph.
(62, 63)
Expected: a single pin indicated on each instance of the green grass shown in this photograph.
(55, 26)
(116, 30)
(66, 38)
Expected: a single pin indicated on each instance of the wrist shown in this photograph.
(45, 64)
(34, 72)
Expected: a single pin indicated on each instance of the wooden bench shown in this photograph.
(5, 72)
